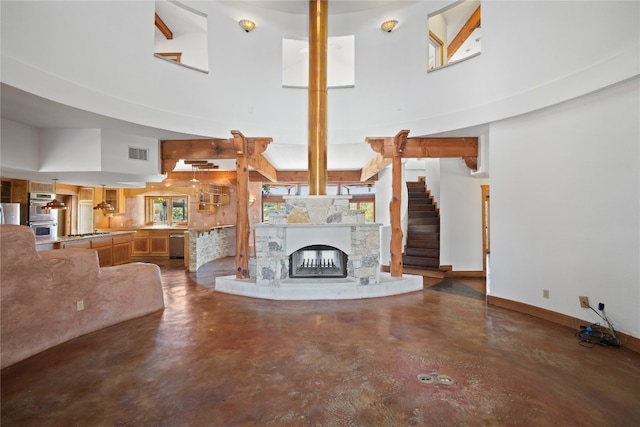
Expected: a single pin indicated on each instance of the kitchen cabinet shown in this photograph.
(85, 194)
(140, 244)
(42, 187)
(104, 247)
(159, 243)
(115, 197)
(112, 249)
(152, 243)
(82, 244)
(121, 249)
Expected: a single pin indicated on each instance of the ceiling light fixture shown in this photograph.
(247, 25)
(389, 25)
(54, 204)
(103, 205)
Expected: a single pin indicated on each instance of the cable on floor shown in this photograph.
(596, 334)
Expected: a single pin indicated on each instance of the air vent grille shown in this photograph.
(138, 153)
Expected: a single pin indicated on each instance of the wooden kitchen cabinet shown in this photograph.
(159, 243)
(85, 194)
(115, 197)
(152, 243)
(122, 249)
(111, 249)
(83, 244)
(42, 187)
(104, 247)
(140, 245)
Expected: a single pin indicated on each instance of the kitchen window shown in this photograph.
(166, 210)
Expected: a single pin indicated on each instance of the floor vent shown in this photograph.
(138, 153)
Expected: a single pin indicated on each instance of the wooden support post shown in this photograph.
(395, 266)
(242, 185)
(318, 40)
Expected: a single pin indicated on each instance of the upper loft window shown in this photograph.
(340, 62)
(454, 34)
(181, 35)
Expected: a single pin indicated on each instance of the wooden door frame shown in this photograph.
(486, 223)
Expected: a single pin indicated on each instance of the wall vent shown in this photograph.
(138, 153)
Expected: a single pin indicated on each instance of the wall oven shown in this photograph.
(42, 222)
(37, 201)
(44, 229)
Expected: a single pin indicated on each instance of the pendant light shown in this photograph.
(103, 205)
(54, 204)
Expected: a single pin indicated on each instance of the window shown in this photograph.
(454, 33)
(340, 62)
(436, 51)
(166, 210)
(369, 209)
(268, 207)
(363, 196)
(181, 35)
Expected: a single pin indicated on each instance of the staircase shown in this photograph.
(422, 251)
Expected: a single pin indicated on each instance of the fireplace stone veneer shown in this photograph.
(317, 220)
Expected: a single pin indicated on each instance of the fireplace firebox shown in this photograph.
(318, 261)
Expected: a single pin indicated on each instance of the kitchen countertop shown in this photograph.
(162, 227)
(46, 240)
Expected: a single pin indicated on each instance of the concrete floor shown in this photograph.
(213, 359)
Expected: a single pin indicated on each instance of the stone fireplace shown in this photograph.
(317, 248)
(317, 237)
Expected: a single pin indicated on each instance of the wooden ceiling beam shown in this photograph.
(263, 167)
(426, 147)
(333, 177)
(472, 23)
(164, 29)
(194, 149)
(208, 176)
(374, 166)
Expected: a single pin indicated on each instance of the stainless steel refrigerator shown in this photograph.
(10, 213)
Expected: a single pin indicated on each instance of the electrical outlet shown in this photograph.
(545, 293)
(584, 302)
(80, 305)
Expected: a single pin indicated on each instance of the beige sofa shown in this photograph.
(40, 291)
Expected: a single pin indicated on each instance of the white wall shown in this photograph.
(515, 73)
(460, 216)
(115, 153)
(565, 188)
(432, 177)
(18, 146)
(70, 150)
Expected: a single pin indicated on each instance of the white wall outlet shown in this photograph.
(80, 305)
(545, 293)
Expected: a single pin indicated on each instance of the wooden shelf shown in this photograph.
(211, 196)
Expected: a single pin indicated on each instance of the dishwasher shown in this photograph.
(176, 245)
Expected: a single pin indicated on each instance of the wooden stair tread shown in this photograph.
(422, 251)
